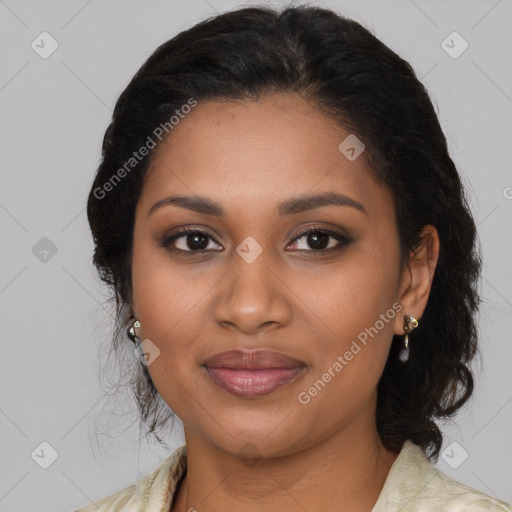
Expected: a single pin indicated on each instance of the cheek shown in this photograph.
(172, 316)
(170, 305)
(165, 292)
(358, 289)
(356, 301)
(356, 309)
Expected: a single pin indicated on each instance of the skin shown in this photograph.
(249, 156)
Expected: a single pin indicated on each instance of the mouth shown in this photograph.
(252, 373)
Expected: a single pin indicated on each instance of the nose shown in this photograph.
(252, 297)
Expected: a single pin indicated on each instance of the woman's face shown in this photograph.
(262, 283)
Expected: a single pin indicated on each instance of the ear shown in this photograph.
(417, 277)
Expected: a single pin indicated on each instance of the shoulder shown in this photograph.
(413, 484)
(153, 492)
(451, 496)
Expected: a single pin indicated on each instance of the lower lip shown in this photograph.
(252, 383)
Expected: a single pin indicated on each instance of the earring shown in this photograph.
(410, 323)
(133, 333)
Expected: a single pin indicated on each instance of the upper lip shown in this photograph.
(252, 360)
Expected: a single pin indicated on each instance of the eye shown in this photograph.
(194, 240)
(197, 241)
(318, 240)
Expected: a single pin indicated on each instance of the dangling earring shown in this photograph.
(133, 333)
(410, 323)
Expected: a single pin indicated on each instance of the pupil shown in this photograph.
(313, 240)
(195, 245)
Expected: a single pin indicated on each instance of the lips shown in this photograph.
(252, 373)
(252, 360)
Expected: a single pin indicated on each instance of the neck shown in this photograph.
(344, 472)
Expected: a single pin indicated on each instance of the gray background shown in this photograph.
(54, 320)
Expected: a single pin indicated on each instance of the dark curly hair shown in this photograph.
(351, 76)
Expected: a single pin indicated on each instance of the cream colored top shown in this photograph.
(412, 485)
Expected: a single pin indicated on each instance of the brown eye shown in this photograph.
(320, 240)
(188, 240)
(316, 240)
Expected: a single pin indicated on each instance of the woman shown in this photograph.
(277, 213)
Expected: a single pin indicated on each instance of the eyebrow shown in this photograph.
(290, 206)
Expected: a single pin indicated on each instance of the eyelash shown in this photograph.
(342, 239)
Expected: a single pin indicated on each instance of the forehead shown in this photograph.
(255, 153)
